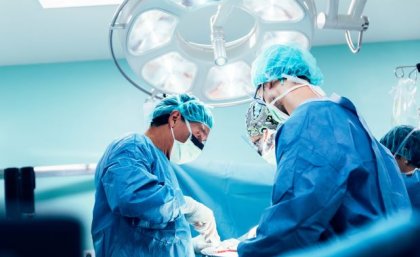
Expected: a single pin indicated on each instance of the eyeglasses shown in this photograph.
(259, 93)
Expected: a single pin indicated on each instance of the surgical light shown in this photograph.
(219, 50)
(205, 47)
(170, 73)
(217, 23)
(46, 4)
(231, 80)
(151, 29)
(274, 10)
(194, 3)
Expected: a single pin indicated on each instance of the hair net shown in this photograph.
(404, 141)
(190, 107)
(285, 59)
(258, 118)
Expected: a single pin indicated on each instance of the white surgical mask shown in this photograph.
(187, 151)
(265, 147)
(270, 156)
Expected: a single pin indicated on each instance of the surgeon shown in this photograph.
(261, 128)
(139, 208)
(404, 143)
(332, 175)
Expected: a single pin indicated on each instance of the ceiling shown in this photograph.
(31, 34)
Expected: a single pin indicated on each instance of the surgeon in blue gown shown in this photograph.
(332, 175)
(404, 143)
(139, 208)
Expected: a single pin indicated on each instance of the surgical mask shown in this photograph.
(187, 151)
(266, 148)
(270, 156)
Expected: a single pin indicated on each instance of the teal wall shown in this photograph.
(368, 77)
(66, 113)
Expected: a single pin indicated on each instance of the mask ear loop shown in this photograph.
(172, 132)
(295, 79)
(316, 89)
(173, 136)
(189, 128)
(286, 93)
(187, 123)
(180, 117)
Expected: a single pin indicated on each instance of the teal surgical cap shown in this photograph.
(404, 141)
(285, 59)
(189, 106)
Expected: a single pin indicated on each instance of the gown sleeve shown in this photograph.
(306, 195)
(134, 192)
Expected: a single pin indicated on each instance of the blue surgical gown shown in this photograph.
(412, 183)
(137, 203)
(326, 181)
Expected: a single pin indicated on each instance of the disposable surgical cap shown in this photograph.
(190, 107)
(285, 59)
(258, 118)
(404, 141)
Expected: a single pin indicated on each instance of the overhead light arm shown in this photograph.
(217, 33)
(352, 21)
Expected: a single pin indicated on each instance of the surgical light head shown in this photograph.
(190, 107)
(219, 48)
(290, 60)
(177, 46)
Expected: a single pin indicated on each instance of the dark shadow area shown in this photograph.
(395, 237)
(46, 237)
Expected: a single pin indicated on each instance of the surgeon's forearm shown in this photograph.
(159, 208)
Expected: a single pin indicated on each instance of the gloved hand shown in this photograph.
(229, 245)
(201, 218)
(199, 243)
